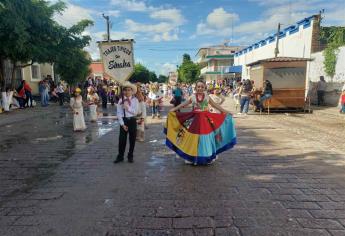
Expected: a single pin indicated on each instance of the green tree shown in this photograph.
(26, 32)
(72, 62)
(75, 68)
(189, 71)
(153, 77)
(141, 74)
(162, 79)
(334, 37)
(29, 34)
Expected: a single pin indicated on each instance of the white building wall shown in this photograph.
(316, 67)
(335, 84)
(294, 44)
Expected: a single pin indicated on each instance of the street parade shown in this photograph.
(149, 118)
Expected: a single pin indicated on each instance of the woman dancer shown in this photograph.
(92, 100)
(76, 105)
(198, 136)
(142, 114)
(218, 98)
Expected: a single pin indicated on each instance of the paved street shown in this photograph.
(284, 177)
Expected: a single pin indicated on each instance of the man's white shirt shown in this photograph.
(132, 111)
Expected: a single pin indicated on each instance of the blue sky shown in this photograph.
(165, 29)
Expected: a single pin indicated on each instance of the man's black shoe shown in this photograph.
(130, 160)
(118, 160)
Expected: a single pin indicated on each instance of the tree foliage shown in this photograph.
(189, 71)
(143, 75)
(72, 62)
(334, 37)
(28, 34)
(163, 79)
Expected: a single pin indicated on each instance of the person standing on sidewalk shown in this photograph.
(321, 88)
(244, 93)
(342, 101)
(177, 95)
(46, 91)
(60, 90)
(155, 97)
(127, 110)
(28, 94)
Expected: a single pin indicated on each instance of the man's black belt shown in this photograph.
(129, 118)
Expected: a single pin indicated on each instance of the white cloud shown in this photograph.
(155, 28)
(173, 15)
(286, 12)
(166, 68)
(268, 24)
(113, 13)
(166, 36)
(219, 18)
(218, 22)
(131, 5)
(166, 30)
(73, 14)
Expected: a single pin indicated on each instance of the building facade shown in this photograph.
(216, 61)
(97, 71)
(299, 41)
(31, 74)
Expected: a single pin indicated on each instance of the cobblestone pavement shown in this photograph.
(285, 177)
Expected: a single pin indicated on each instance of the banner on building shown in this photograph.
(118, 60)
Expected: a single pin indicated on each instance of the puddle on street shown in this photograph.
(105, 126)
(157, 142)
(156, 161)
(109, 202)
(45, 139)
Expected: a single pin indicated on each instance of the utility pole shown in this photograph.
(108, 26)
(232, 30)
(276, 50)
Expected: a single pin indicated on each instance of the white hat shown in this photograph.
(130, 85)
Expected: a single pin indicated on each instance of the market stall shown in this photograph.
(288, 78)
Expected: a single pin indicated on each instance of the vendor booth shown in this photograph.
(288, 78)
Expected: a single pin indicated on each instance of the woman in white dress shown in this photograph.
(7, 99)
(92, 100)
(218, 98)
(141, 115)
(76, 105)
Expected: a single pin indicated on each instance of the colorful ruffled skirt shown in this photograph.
(199, 136)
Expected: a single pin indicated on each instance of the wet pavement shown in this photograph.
(285, 177)
(31, 148)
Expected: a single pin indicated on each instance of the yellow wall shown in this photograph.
(45, 69)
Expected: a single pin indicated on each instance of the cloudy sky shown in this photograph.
(165, 29)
